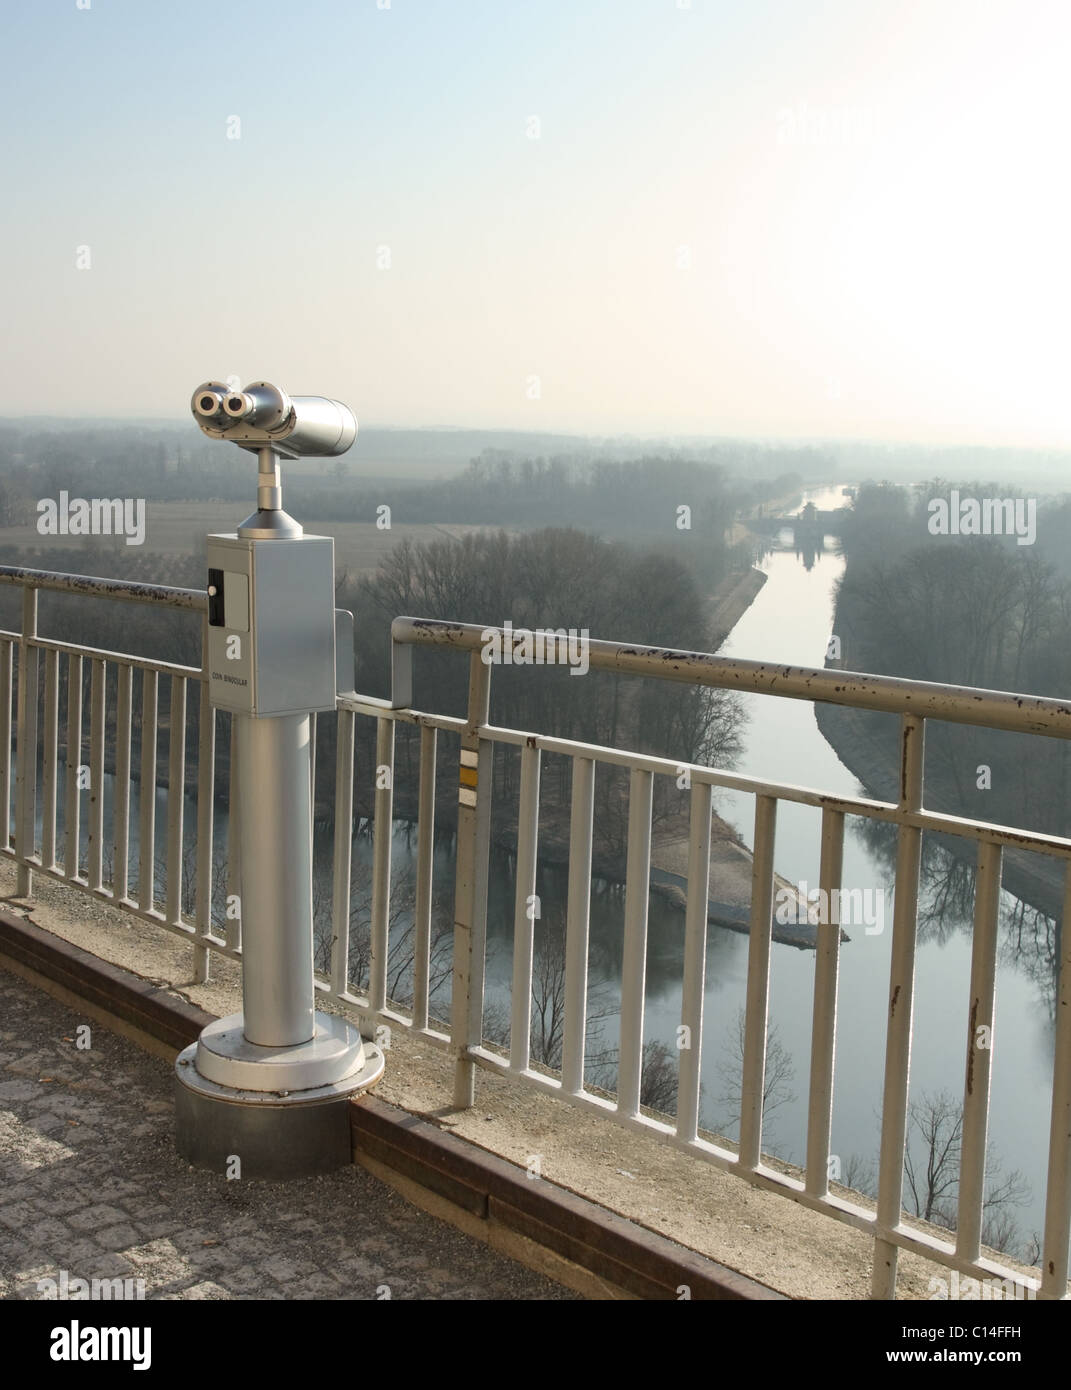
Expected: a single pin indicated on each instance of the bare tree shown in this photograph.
(932, 1169)
(401, 933)
(777, 1077)
(548, 1000)
(858, 1173)
(659, 1077)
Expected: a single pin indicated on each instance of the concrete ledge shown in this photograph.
(146, 1008)
(489, 1194)
(630, 1257)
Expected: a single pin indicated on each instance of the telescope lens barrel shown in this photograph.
(322, 427)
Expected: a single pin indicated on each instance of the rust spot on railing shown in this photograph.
(970, 1049)
(895, 996)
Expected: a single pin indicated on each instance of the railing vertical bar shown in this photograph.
(233, 911)
(381, 846)
(577, 925)
(97, 687)
(49, 770)
(979, 1052)
(901, 1008)
(697, 911)
(1054, 1257)
(6, 650)
(470, 891)
(150, 703)
(176, 783)
(121, 817)
(72, 808)
(425, 869)
(523, 915)
(824, 1021)
(753, 1071)
(634, 958)
(340, 891)
(26, 748)
(312, 767)
(206, 783)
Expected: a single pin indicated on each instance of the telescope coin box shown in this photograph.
(271, 624)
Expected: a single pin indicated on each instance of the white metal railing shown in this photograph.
(913, 701)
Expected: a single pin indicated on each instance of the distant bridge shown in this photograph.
(827, 523)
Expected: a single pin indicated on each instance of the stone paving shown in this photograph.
(91, 1188)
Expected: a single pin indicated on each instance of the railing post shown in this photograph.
(901, 1007)
(343, 865)
(753, 1068)
(577, 925)
(206, 781)
(470, 895)
(382, 834)
(523, 917)
(425, 869)
(26, 750)
(1058, 1181)
(695, 959)
(5, 744)
(824, 1018)
(971, 1205)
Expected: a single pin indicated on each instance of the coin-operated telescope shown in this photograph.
(293, 426)
(271, 1083)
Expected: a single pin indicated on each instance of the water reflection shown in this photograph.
(1029, 939)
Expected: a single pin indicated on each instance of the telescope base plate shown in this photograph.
(257, 1133)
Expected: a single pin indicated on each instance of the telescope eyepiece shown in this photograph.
(207, 403)
(264, 416)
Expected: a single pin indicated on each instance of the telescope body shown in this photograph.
(262, 416)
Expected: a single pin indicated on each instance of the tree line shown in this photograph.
(971, 610)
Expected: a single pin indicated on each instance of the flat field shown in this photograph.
(179, 528)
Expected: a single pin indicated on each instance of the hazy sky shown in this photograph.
(775, 217)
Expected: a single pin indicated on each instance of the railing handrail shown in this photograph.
(959, 704)
(91, 586)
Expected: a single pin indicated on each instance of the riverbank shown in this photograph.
(731, 600)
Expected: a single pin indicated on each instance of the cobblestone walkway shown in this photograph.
(90, 1185)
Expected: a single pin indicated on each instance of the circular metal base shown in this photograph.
(335, 1053)
(269, 524)
(260, 1134)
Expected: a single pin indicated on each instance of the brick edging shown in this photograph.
(149, 1007)
(634, 1259)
